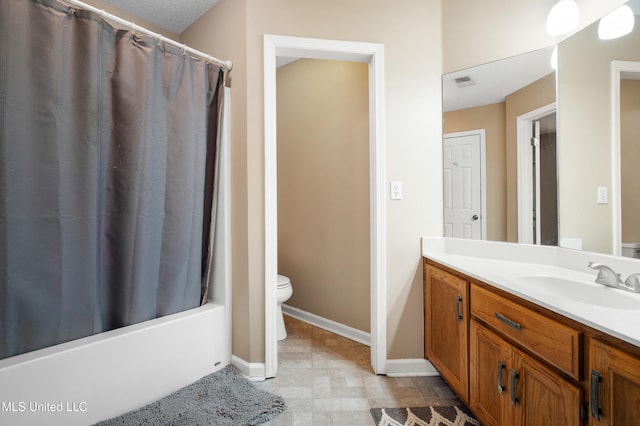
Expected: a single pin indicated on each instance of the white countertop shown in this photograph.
(491, 267)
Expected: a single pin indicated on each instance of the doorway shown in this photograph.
(373, 55)
(464, 166)
(537, 177)
(323, 193)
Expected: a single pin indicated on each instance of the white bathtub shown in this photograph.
(98, 377)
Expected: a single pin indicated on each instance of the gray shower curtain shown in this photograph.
(108, 144)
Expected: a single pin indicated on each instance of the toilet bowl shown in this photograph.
(284, 293)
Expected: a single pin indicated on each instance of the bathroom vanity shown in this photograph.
(525, 343)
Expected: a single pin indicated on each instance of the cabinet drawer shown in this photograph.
(552, 341)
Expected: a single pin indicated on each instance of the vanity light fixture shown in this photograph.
(563, 17)
(617, 23)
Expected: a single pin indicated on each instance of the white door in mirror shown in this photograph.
(462, 186)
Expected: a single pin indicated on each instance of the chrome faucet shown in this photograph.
(606, 275)
(610, 278)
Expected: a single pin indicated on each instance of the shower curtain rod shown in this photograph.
(227, 65)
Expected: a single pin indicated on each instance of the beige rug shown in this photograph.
(449, 415)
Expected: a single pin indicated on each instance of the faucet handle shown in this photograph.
(633, 282)
(606, 275)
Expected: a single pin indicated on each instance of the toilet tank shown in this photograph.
(631, 250)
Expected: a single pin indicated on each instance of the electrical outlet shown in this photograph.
(603, 195)
(396, 190)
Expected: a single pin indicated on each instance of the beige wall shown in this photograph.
(411, 33)
(527, 99)
(323, 188)
(418, 36)
(584, 132)
(630, 159)
(476, 32)
(492, 119)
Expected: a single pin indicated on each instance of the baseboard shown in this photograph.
(329, 325)
(255, 371)
(410, 367)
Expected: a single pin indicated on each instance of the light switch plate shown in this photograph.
(603, 195)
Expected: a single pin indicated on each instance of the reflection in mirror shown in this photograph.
(598, 185)
(630, 161)
(491, 115)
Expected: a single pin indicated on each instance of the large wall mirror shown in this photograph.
(531, 155)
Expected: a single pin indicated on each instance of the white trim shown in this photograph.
(329, 325)
(410, 367)
(482, 133)
(524, 171)
(373, 54)
(270, 209)
(253, 370)
(617, 67)
(220, 284)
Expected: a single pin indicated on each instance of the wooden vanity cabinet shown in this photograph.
(515, 363)
(613, 386)
(509, 387)
(489, 357)
(446, 325)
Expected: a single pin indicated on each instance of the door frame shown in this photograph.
(372, 54)
(617, 68)
(483, 172)
(525, 170)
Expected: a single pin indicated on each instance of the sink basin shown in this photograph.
(579, 291)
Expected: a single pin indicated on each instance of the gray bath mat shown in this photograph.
(221, 398)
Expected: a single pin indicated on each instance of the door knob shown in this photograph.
(475, 217)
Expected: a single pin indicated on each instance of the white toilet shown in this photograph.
(284, 293)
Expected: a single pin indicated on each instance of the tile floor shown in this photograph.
(326, 379)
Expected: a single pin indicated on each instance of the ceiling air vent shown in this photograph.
(463, 81)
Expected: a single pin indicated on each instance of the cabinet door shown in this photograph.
(446, 327)
(614, 386)
(489, 358)
(540, 396)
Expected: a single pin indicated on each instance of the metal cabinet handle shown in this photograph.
(459, 308)
(501, 387)
(594, 391)
(475, 217)
(507, 321)
(514, 378)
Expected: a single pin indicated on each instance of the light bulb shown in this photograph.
(617, 23)
(563, 17)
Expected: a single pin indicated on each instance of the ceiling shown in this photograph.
(495, 80)
(172, 15)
